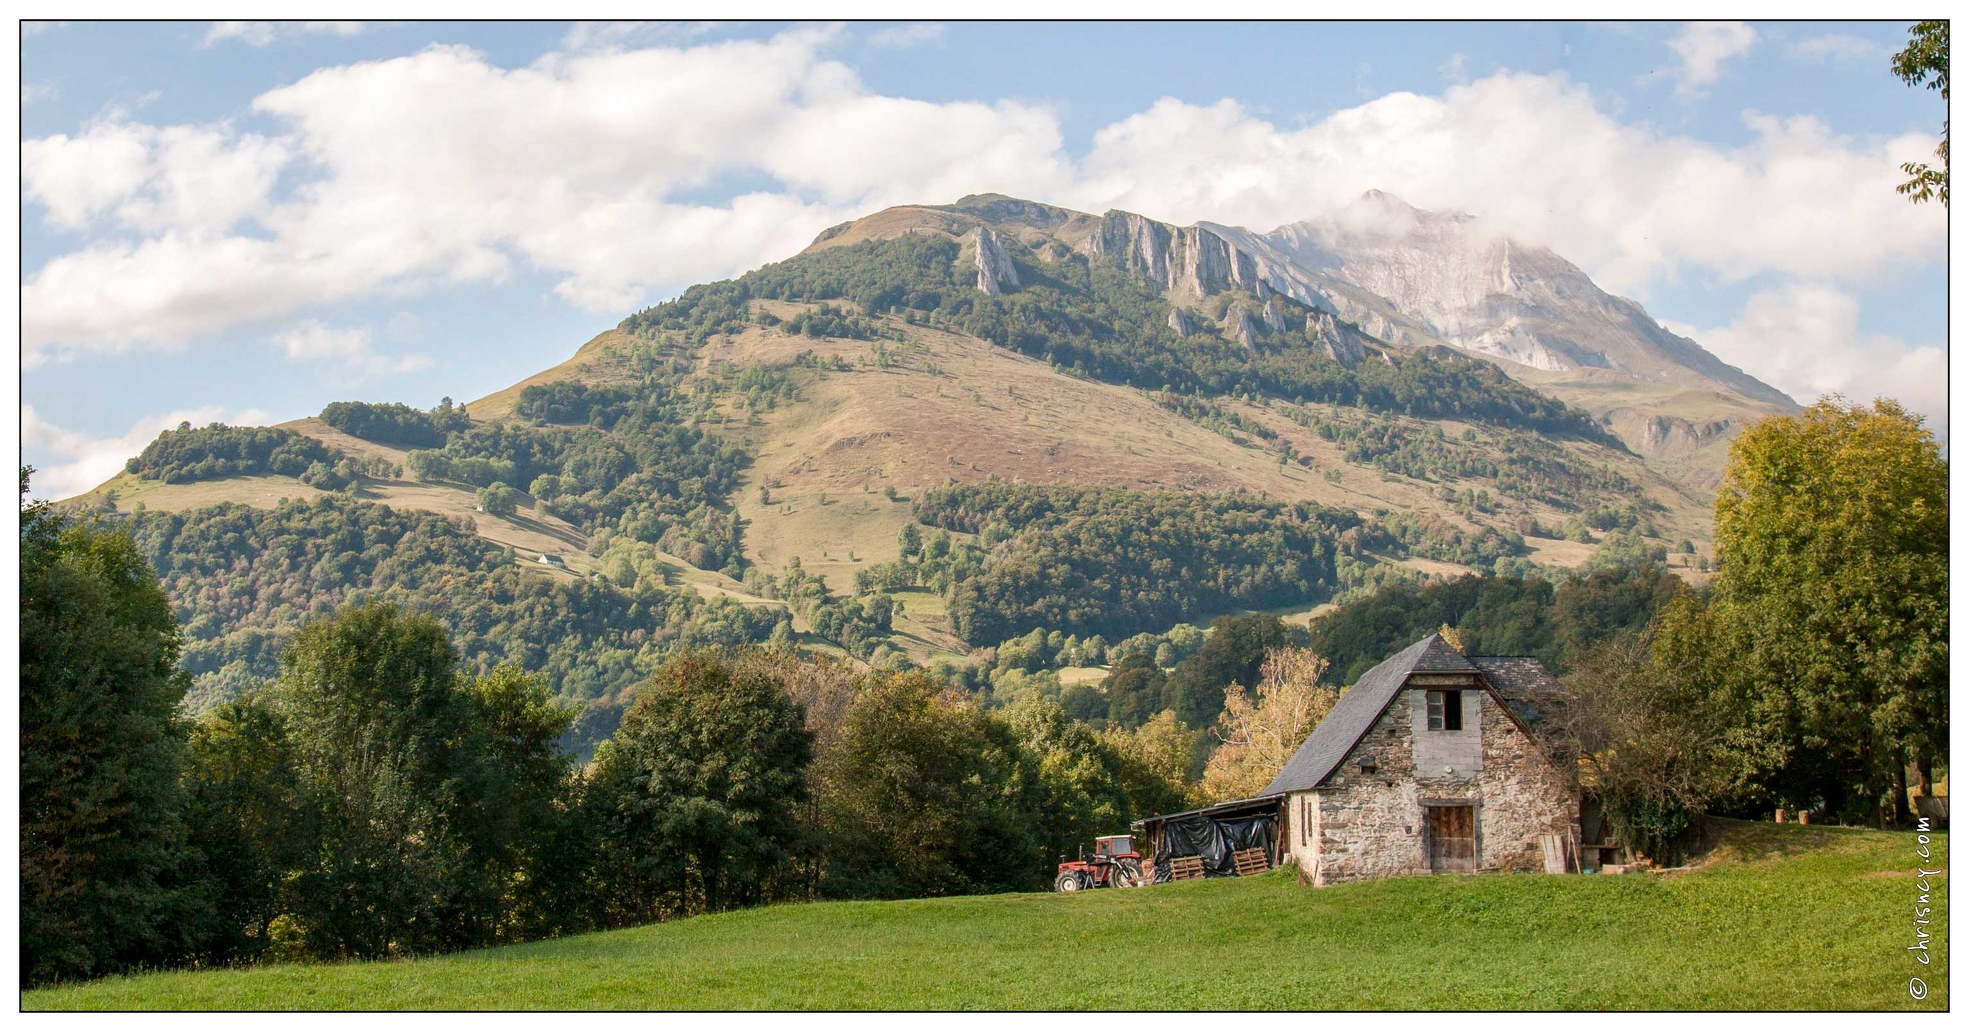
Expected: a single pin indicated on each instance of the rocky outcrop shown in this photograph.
(1654, 436)
(995, 271)
(1340, 341)
(1243, 329)
(1180, 321)
(1192, 261)
(1274, 316)
(1208, 264)
(1142, 243)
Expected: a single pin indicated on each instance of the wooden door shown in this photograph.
(1452, 838)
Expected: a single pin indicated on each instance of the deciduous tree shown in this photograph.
(1832, 530)
(1259, 735)
(101, 751)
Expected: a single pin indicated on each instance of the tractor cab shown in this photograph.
(1114, 847)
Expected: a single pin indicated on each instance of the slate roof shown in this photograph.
(1357, 711)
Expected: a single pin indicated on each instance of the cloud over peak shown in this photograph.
(594, 163)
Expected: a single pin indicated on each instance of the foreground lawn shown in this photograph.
(1781, 917)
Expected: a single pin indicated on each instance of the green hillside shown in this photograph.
(741, 464)
(1779, 918)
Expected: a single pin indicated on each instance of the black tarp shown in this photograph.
(1214, 839)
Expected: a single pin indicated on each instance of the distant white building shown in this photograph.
(553, 560)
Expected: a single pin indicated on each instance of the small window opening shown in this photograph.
(1446, 711)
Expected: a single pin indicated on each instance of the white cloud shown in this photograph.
(346, 349)
(262, 33)
(88, 461)
(35, 92)
(1454, 70)
(1703, 47)
(200, 179)
(567, 165)
(904, 36)
(1836, 47)
(1537, 159)
(440, 168)
(1805, 340)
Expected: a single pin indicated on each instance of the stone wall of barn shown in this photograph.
(1370, 825)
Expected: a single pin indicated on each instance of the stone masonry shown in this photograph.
(1370, 824)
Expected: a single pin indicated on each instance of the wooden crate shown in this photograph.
(1251, 861)
(1184, 868)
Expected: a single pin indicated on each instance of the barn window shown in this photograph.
(1446, 711)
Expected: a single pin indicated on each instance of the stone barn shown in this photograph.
(1433, 762)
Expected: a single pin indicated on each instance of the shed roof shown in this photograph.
(1233, 808)
(1357, 711)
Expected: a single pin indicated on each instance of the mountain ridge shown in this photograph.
(1495, 297)
(753, 456)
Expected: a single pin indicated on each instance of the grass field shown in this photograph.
(1780, 917)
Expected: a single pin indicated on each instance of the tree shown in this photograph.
(518, 777)
(1260, 736)
(1080, 777)
(101, 751)
(1136, 688)
(926, 796)
(1924, 62)
(1158, 764)
(1232, 654)
(702, 787)
(1655, 746)
(498, 499)
(1832, 532)
(248, 820)
(384, 755)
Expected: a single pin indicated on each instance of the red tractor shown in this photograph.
(1114, 864)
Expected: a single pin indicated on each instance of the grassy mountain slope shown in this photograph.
(1779, 918)
(761, 442)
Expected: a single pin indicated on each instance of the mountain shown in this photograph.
(934, 431)
(1450, 282)
(1412, 278)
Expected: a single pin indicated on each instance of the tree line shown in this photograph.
(244, 580)
(217, 451)
(1812, 674)
(379, 798)
(1116, 562)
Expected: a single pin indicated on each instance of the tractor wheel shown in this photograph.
(1126, 876)
(1068, 881)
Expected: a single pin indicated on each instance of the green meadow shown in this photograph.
(1779, 917)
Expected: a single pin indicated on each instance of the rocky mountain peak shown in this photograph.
(1398, 273)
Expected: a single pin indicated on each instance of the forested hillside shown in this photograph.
(243, 579)
(861, 451)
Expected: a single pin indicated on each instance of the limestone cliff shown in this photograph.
(995, 270)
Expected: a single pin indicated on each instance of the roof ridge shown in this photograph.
(1356, 712)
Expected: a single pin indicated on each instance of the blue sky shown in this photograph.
(245, 222)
